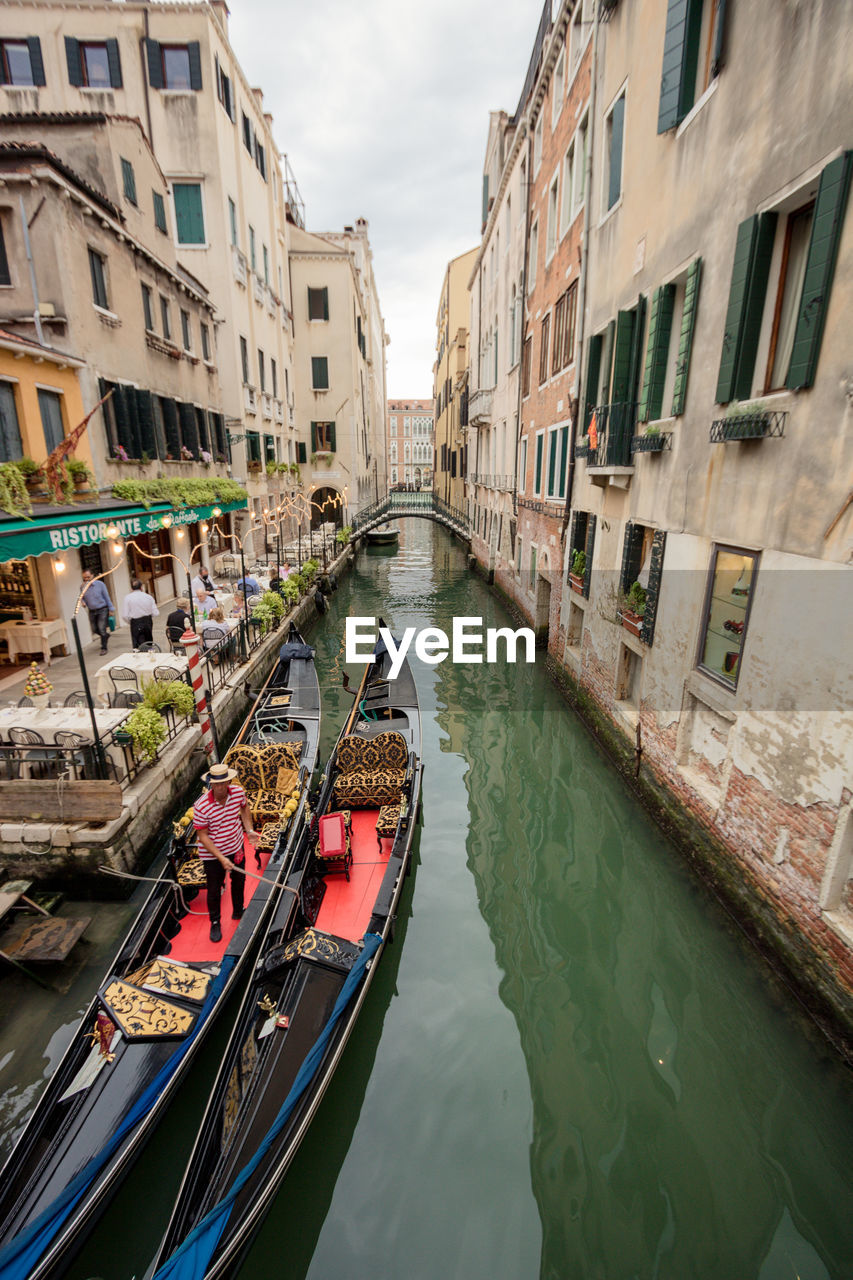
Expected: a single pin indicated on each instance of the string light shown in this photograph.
(165, 521)
(179, 533)
(217, 512)
(112, 530)
(60, 566)
(117, 548)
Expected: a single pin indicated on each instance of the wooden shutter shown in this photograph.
(564, 457)
(170, 426)
(625, 326)
(72, 58)
(145, 420)
(313, 437)
(589, 547)
(820, 266)
(573, 530)
(607, 361)
(114, 63)
(552, 461)
(194, 51)
(657, 349)
(647, 631)
(636, 351)
(155, 64)
(593, 369)
(36, 60)
(189, 214)
(127, 420)
(632, 555)
(189, 427)
(537, 475)
(333, 439)
(617, 129)
(685, 341)
(746, 299)
(320, 373)
(301, 451)
(680, 58)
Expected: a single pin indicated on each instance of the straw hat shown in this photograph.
(219, 773)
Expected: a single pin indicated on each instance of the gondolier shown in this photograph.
(221, 816)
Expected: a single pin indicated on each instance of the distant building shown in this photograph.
(450, 381)
(410, 442)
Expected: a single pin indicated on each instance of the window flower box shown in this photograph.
(576, 583)
(631, 621)
(652, 442)
(748, 424)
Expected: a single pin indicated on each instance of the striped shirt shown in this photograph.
(221, 821)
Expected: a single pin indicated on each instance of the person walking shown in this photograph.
(96, 598)
(140, 611)
(221, 816)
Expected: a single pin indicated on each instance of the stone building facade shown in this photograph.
(450, 382)
(410, 442)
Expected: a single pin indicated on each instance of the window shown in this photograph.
(320, 373)
(232, 222)
(558, 456)
(186, 332)
(730, 588)
(318, 304)
(159, 212)
(248, 132)
(253, 253)
(543, 349)
(564, 329)
(189, 212)
(578, 35)
(266, 254)
(581, 538)
(559, 84)
(532, 254)
(21, 62)
(244, 358)
(164, 318)
(393, 425)
(128, 179)
(205, 342)
(225, 91)
(537, 145)
(518, 555)
(98, 270)
(526, 367)
(10, 432)
(262, 372)
(323, 437)
(551, 233)
(253, 446)
(174, 66)
(93, 64)
(797, 235)
(574, 177)
(274, 375)
(540, 453)
(614, 130)
(147, 308)
(5, 276)
(50, 406)
(692, 56)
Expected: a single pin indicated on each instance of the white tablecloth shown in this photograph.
(142, 664)
(48, 720)
(34, 637)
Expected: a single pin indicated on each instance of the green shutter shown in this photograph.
(647, 632)
(159, 211)
(72, 58)
(313, 437)
(320, 373)
(589, 547)
(632, 555)
(593, 369)
(170, 426)
(680, 59)
(155, 63)
(617, 129)
(552, 461)
(820, 265)
(537, 475)
(145, 419)
(333, 439)
(625, 326)
(194, 51)
(636, 349)
(36, 60)
(189, 427)
(189, 215)
(607, 362)
(685, 341)
(325, 303)
(746, 301)
(128, 178)
(657, 350)
(114, 63)
(301, 451)
(564, 456)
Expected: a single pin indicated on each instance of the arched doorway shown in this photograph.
(327, 505)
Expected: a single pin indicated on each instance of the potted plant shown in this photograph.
(147, 731)
(32, 473)
(745, 422)
(272, 468)
(254, 467)
(343, 535)
(14, 495)
(160, 695)
(577, 571)
(79, 473)
(633, 609)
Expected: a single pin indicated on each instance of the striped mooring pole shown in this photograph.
(190, 642)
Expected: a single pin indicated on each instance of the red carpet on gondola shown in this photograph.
(193, 941)
(348, 905)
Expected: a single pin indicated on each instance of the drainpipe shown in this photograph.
(522, 326)
(33, 281)
(584, 276)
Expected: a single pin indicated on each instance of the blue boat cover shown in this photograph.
(190, 1260)
(21, 1254)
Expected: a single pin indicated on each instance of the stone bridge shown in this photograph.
(422, 504)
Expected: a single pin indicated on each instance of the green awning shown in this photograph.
(66, 531)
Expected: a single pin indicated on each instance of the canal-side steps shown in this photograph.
(69, 852)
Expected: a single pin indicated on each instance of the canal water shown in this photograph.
(570, 1065)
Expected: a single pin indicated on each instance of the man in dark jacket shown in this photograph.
(95, 597)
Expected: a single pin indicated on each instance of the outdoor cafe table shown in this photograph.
(49, 720)
(142, 664)
(37, 636)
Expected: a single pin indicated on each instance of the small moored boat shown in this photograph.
(382, 535)
(159, 998)
(316, 964)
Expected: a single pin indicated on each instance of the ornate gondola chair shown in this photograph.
(371, 771)
(259, 770)
(386, 822)
(334, 847)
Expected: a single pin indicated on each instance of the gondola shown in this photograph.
(315, 967)
(382, 535)
(159, 998)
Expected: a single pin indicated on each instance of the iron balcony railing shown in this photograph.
(492, 482)
(614, 431)
(756, 425)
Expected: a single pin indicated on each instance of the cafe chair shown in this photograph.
(165, 674)
(122, 677)
(127, 698)
(44, 760)
(69, 741)
(173, 635)
(77, 699)
(148, 646)
(25, 702)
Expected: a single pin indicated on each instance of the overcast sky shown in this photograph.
(383, 110)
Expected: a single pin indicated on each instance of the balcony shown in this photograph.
(279, 411)
(480, 408)
(271, 301)
(607, 445)
(748, 424)
(250, 398)
(266, 405)
(501, 483)
(239, 266)
(258, 289)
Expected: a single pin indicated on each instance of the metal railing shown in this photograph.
(492, 482)
(417, 503)
(760, 424)
(615, 424)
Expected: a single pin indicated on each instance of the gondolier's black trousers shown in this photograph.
(215, 875)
